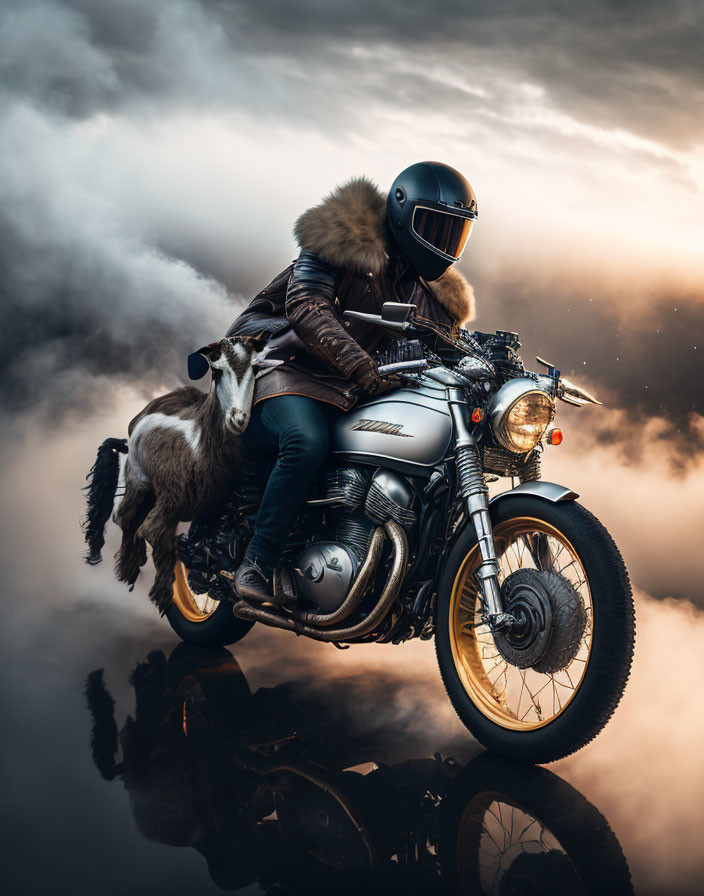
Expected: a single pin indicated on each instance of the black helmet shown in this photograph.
(431, 210)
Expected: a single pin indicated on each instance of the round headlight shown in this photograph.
(520, 414)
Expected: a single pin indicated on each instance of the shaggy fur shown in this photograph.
(101, 488)
(348, 230)
(179, 488)
(170, 482)
(456, 296)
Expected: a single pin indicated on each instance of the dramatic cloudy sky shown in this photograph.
(154, 155)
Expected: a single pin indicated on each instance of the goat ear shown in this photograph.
(257, 343)
(198, 364)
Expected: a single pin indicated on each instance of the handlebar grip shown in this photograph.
(403, 366)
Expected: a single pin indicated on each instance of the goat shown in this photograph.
(183, 453)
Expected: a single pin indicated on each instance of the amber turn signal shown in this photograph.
(554, 437)
(477, 415)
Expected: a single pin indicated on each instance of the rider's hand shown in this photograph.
(386, 384)
(372, 383)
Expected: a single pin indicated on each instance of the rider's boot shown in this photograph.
(254, 581)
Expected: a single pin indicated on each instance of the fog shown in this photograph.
(153, 159)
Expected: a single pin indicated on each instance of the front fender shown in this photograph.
(550, 491)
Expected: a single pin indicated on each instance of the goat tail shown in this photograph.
(103, 739)
(101, 488)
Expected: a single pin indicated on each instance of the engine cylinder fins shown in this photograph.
(347, 486)
(354, 632)
(390, 497)
(353, 529)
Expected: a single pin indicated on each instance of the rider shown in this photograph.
(359, 249)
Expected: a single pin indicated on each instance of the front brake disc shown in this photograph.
(550, 621)
(569, 619)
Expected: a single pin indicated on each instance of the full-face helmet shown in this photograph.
(431, 210)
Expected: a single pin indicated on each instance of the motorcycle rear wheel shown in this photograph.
(523, 713)
(199, 619)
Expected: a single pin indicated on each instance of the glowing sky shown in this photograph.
(154, 155)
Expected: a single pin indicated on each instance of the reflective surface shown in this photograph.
(268, 788)
(289, 767)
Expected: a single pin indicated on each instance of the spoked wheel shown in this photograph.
(194, 607)
(548, 686)
(521, 699)
(513, 844)
(199, 618)
(512, 828)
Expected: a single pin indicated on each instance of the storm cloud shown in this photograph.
(634, 65)
(105, 275)
(154, 155)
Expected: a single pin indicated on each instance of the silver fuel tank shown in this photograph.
(408, 430)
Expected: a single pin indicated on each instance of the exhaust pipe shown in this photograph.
(392, 587)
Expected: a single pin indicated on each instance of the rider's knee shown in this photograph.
(309, 446)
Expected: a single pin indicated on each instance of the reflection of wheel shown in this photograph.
(549, 686)
(210, 688)
(200, 619)
(516, 829)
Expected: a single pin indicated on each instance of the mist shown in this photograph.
(153, 159)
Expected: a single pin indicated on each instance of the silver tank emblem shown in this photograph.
(388, 429)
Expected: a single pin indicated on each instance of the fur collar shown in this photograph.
(347, 229)
(455, 295)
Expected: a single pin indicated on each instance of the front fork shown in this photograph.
(474, 490)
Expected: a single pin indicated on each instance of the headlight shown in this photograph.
(520, 413)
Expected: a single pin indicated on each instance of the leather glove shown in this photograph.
(387, 384)
(367, 376)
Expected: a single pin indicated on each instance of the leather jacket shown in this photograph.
(338, 271)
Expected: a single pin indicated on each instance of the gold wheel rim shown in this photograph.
(515, 699)
(193, 607)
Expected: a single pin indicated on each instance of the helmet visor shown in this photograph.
(443, 231)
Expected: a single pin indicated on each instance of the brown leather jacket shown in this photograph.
(347, 263)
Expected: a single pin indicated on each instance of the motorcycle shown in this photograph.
(274, 789)
(525, 593)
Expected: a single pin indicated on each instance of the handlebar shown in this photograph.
(403, 367)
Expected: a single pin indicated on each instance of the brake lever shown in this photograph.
(393, 326)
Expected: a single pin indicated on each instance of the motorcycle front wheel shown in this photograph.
(199, 618)
(530, 712)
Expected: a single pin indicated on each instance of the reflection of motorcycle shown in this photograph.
(526, 595)
(271, 787)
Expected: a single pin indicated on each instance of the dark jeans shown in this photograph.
(296, 430)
